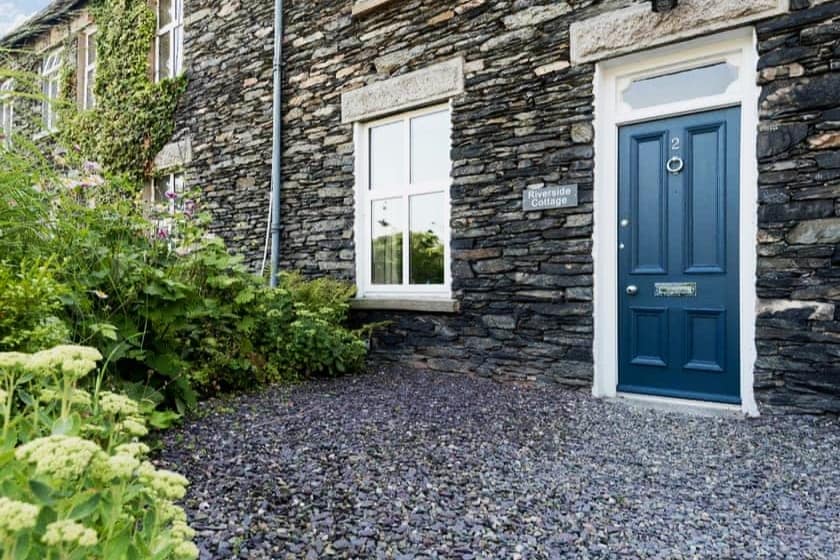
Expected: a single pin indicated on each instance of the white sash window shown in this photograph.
(403, 197)
(50, 83)
(169, 43)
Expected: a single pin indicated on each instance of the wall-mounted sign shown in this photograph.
(546, 198)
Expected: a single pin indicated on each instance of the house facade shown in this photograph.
(638, 197)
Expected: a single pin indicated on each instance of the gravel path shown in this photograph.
(406, 464)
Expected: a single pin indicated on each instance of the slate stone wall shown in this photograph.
(226, 114)
(798, 330)
(523, 281)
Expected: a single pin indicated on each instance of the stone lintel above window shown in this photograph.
(175, 155)
(362, 7)
(637, 27)
(433, 84)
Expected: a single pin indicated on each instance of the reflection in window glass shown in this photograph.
(709, 80)
(386, 156)
(164, 13)
(430, 148)
(427, 231)
(164, 56)
(386, 241)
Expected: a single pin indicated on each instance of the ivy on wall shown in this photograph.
(134, 116)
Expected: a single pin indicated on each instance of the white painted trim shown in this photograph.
(366, 290)
(605, 238)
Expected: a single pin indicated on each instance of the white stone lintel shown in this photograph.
(361, 7)
(637, 27)
(174, 155)
(432, 84)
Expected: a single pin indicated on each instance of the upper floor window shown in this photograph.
(404, 199)
(169, 44)
(89, 71)
(50, 83)
(7, 110)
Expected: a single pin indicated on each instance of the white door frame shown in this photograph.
(738, 48)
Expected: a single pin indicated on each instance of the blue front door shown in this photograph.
(678, 257)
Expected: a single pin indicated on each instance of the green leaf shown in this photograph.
(85, 508)
(42, 492)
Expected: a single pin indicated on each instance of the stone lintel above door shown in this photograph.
(637, 27)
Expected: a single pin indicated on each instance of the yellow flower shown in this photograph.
(133, 426)
(119, 466)
(135, 449)
(16, 516)
(9, 360)
(167, 484)
(59, 457)
(115, 404)
(186, 551)
(69, 532)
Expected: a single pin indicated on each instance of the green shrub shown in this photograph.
(167, 303)
(75, 480)
(30, 306)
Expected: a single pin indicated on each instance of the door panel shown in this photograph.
(678, 235)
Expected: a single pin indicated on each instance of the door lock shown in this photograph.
(632, 290)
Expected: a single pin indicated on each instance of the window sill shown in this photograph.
(428, 305)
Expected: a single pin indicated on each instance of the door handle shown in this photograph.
(632, 290)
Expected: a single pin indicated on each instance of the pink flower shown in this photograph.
(162, 233)
(171, 195)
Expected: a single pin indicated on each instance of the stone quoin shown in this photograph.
(426, 143)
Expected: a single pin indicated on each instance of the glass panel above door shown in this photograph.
(704, 81)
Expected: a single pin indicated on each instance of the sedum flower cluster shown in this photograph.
(60, 457)
(167, 484)
(16, 516)
(92, 488)
(68, 532)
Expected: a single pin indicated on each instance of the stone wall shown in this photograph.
(798, 333)
(223, 123)
(524, 281)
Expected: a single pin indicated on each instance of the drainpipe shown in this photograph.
(277, 142)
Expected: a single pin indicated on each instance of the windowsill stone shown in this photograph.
(421, 305)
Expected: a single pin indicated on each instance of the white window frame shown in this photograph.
(176, 182)
(175, 31)
(364, 197)
(89, 75)
(51, 74)
(7, 110)
(738, 47)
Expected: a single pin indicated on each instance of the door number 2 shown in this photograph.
(675, 164)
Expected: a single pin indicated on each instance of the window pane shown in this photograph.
(91, 49)
(427, 230)
(90, 99)
(386, 156)
(430, 148)
(688, 84)
(386, 245)
(164, 13)
(164, 56)
(162, 186)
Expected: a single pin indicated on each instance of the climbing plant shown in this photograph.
(134, 115)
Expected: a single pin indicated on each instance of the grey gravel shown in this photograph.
(408, 464)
